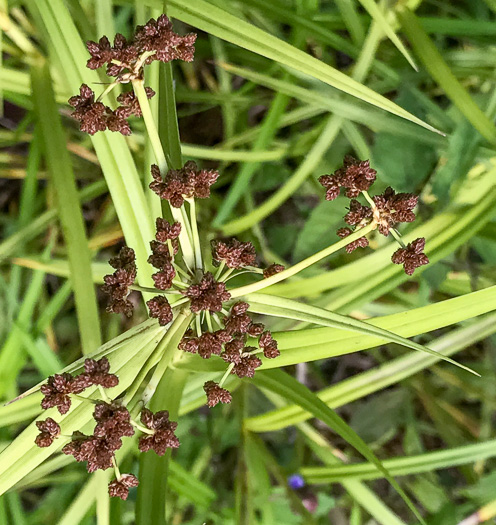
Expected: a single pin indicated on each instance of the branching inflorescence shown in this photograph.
(187, 287)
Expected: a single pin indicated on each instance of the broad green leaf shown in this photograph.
(281, 307)
(381, 377)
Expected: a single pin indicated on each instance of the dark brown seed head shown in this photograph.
(233, 253)
(163, 438)
(113, 421)
(269, 345)
(129, 104)
(157, 35)
(247, 366)
(411, 257)
(185, 183)
(98, 373)
(233, 350)
(49, 430)
(160, 309)
(167, 231)
(208, 294)
(120, 488)
(362, 242)
(393, 208)
(56, 392)
(98, 452)
(90, 114)
(117, 285)
(357, 213)
(355, 175)
(216, 394)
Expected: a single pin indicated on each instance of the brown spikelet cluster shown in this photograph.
(233, 253)
(120, 488)
(208, 294)
(125, 60)
(117, 285)
(94, 116)
(355, 176)
(49, 430)
(216, 394)
(412, 256)
(362, 242)
(112, 423)
(231, 345)
(162, 436)
(386, 210)
(185, 183)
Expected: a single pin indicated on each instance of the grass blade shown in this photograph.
(71, 217)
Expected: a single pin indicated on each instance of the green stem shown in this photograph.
(141, 428)
(293, 270)
(151, 128)
(226, 275)
(116, 469)
(226, 374)
(209, 321)
(398, 238)
(196, 236)
(104, 395)
(220, 270)
(163, 163)
(368, 198)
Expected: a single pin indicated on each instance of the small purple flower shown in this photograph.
(296, 481)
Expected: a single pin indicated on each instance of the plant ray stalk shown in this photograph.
(163, 163)
(302, 265)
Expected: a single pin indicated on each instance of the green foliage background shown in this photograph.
(279, 92)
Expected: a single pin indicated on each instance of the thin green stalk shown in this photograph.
(293, 270)
(163, 162)
(196, 237)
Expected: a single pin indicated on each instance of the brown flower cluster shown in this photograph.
(119, 488)
(184, 183)
(49, 431)
(233, 253)
(113, 422)
(388, 210)
(412, 256)
(58, 387)
(117, 285)
(125, 58)
(94, 116)
(230, 343)
(355, 176)
(162, 436)
(208, 294)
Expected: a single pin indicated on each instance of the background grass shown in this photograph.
(279, 92)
